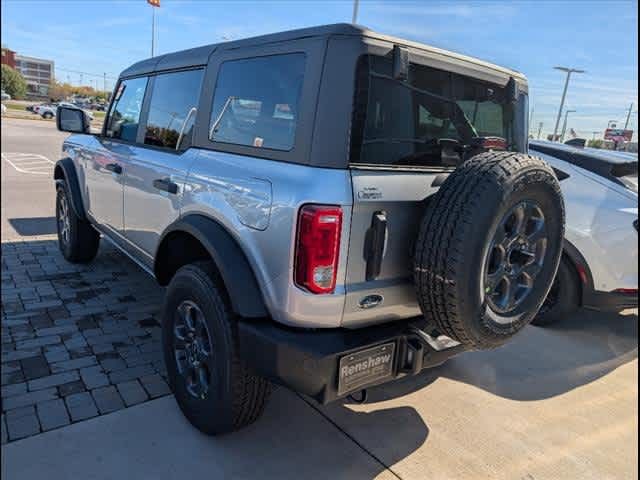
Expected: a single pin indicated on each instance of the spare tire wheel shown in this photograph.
(489, 246)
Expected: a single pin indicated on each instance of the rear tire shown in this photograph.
(563, 298)
(214, 390)
(47, 115)
(77, 239)
(502, 202)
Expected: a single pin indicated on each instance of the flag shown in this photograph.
(154, 3)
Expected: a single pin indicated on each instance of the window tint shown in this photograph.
(172, 109)
(256, 101)
(125, 114)
(402, 122)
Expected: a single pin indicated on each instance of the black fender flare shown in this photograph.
(232, 264)
(65, 171)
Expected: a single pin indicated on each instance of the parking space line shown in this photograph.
(29, 160)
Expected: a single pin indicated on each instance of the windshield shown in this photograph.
(407, 122)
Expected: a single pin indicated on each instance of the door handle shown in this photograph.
(375, 242)
(114, 167)
(165, 185)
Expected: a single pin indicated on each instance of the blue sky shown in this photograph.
(601, 37)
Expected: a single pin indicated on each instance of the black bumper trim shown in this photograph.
(306, 361)
(610, 301)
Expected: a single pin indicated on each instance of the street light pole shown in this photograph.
(564, 124)
(153, 31)
(626, 123)
(569, 71)
(354, 17)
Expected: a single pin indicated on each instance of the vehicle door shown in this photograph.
(158, 165)
(104, 170)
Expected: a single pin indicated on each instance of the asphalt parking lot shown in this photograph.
(83, 385)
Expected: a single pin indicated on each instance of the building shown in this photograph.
(38, 74)
(8, 57)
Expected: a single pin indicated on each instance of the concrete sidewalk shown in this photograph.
(154, 441)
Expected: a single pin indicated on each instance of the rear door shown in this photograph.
(405, 143)
(159, 163)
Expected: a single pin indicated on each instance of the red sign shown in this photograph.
(154, 3)
(618, 134)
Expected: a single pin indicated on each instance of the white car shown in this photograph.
(4, 109)
(599, 268)
(49, 111)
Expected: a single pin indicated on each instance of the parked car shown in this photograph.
(599, 267)
(5, 96)
(323, 212)
(49, 111)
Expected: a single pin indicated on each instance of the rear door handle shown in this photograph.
(375, 241)
(114, 167)
(166, 185)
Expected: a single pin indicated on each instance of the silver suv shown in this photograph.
(330, 208)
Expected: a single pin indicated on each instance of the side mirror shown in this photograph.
(72, 120)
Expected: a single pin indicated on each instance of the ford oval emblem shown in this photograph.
(370, 301)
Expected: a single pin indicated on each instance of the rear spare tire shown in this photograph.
(489, 246)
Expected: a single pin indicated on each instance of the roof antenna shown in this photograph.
(354, 18)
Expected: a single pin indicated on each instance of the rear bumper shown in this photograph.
(610, 301)
(307, 361)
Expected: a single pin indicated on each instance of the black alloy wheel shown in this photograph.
(515, 257)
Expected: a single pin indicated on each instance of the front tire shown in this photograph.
(77, 239)
(563, 298)
(214, 390)
(47, 115)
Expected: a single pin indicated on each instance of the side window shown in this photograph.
(256, 101)
(172, 109)
(125, 114)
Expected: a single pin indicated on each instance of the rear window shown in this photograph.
(404, 122)
(256, 101)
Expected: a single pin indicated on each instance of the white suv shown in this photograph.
(599, 268)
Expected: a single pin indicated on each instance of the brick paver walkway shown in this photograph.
(77, 340)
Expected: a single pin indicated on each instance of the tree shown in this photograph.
(13, 82)
(597, 143)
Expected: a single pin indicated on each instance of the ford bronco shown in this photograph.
(329, 208)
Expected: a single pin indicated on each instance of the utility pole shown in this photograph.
(564, 125)
(626, 123)
(539, 129)
(569, 71)
(104, 82)
(354, 17)
(594, 135)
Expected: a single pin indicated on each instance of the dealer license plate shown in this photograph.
(365, 367)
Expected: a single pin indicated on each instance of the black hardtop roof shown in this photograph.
(200, 55)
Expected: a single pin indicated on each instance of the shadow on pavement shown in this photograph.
(540, 362)
(31, 227)
(396, 431)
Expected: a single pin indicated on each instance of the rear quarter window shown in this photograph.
(256, 101)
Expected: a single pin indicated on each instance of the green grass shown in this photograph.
(14, 106)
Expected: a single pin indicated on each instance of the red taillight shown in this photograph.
(317, 247)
